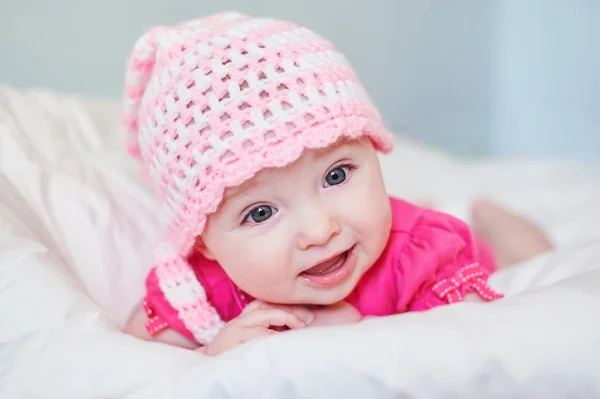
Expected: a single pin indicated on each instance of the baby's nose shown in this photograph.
(318, 231)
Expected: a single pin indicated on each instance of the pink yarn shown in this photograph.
(211, 102)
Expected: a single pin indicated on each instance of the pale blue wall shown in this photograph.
(547, 78)
(496, 76)
(436, 76)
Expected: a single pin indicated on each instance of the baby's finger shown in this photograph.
(271, 317)
(303, 313)
(253, 306)
(250, 333)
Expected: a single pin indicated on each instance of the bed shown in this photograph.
(76, 227)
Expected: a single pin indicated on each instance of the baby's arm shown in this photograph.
(336, 314)
(331, 315)
(453, 264)
(254, 322)
(137, 328)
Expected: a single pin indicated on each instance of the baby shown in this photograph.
(262, 146)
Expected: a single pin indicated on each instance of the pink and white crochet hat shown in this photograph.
(211, 102)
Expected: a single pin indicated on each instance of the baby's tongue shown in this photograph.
(324, 266)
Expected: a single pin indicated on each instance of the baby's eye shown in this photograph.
(337, 175)
(260, 213)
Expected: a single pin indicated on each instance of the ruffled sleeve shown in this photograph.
(441, 262)
(175, 299)
(161, 315)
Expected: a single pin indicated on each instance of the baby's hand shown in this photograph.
(331, 315)
(256, 321)
(336, 314)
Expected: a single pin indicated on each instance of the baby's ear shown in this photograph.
(201, 247)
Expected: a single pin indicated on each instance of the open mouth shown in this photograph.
(327, 266)
(332, 271)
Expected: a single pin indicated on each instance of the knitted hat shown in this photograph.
(211, 102)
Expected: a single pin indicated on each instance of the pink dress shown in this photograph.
(431, 259)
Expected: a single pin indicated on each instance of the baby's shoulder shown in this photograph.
(417, 233)
(413, 220)
(427, 249)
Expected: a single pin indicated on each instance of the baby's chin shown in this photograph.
(332, 295)
(310, 296)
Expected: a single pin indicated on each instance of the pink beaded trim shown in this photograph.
(155, 323)
(472, 277)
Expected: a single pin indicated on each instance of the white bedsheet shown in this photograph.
(76, 225)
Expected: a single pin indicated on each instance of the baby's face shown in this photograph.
(306, 233)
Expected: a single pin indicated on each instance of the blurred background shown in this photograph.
(496, 77)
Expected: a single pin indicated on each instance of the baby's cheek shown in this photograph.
(373, 218)
(370, 203)
(260, 270)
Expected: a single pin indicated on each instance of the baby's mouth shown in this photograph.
(327, 266)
